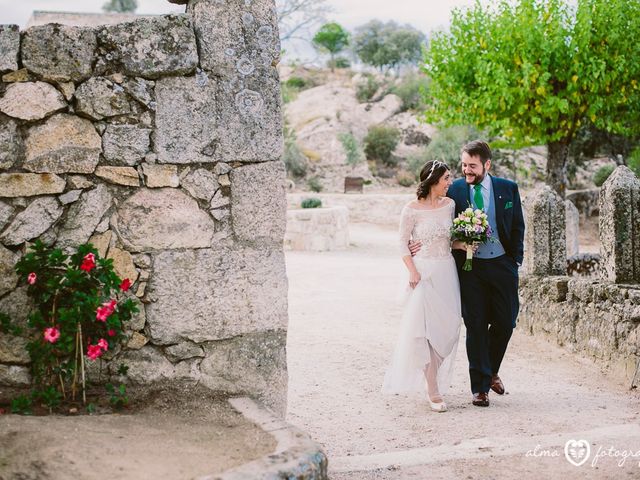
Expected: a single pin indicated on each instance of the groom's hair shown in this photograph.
(478, 148)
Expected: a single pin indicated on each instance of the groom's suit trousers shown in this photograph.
(490, 308)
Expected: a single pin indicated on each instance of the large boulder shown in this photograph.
(100, 98)
(125, 144)
(184, 122)
(149, 47)
(30, 184)
(247, 125)
(6, 211)
(65, 143)
(201, 184)
(229, 292)
(8, 277)
(58, 52)
(32, 222)
(31, 100)
(159, 219)
(258, 202)
(11, 144)
(247, 38)
(9, 47)
(84, 216)
(250, 363)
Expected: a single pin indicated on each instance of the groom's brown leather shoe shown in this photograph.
(497, 385)
(481, 399)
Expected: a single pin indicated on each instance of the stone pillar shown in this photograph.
(572, 216)
(545, 236)
(239, 46)
(620, 227)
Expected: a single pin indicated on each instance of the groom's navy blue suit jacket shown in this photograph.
(508, 212)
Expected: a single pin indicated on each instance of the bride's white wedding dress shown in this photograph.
(431, 318)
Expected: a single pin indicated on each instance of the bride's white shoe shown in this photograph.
(438, 406)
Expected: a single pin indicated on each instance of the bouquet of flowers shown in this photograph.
(471, 226)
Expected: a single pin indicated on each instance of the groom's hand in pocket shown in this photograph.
(414, 247)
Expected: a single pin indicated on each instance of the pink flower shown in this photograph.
(125, 285)
(31, 278)
(107, 308)
(88, 262)
(111, 305)
(102, 313)
(94, 352)
(111, 333)
(51, 334)
(103, 344)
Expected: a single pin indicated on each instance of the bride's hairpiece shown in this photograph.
(436, 164)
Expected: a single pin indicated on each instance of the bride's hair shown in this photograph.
(429, 176)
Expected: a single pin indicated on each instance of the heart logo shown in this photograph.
(577, 451)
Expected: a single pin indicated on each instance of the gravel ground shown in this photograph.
(343, 323)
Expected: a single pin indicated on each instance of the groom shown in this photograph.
(490, 290)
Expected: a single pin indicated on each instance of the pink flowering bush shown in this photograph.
(80, 307)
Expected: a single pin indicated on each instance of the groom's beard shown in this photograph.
(476, 179)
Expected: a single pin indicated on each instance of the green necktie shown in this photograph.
(477, 197)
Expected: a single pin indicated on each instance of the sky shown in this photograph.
(425, 15)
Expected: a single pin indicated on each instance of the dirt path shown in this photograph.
(198, 436)
(343, 323)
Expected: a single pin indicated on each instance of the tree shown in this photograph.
(296, 17)
(331, 38)
(120, 6)
(388, 45)
(535, 71)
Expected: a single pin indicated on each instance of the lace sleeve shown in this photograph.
(407, 221)
(452, 207)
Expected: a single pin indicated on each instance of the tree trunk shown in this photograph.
(557, 165)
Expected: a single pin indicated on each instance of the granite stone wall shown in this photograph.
(159, 141)
(595, 317)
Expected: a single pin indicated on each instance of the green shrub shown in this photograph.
(289, 94)
(405, 178)
(633, 162)
(294, 160)
(365, 90)
(342, 62)
(380, 142)
(314, 184)
(296, 82)
(412, 89)
(311, 203)
(602, 174)
(352, 148)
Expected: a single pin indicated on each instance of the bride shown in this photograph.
(431, 318)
